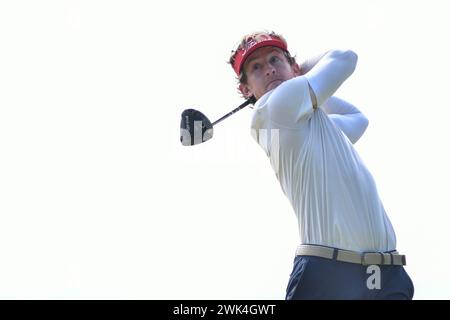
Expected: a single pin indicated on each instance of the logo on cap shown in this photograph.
(253, 43)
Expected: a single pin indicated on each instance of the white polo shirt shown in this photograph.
(333, 194)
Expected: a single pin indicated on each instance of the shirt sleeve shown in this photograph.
(346, 117)
(290, 103)
(330, 72)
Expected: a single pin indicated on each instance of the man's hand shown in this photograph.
(308, 64)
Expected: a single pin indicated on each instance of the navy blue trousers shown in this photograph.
(319, 278)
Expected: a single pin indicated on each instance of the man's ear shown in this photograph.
(245, 90)
(297, 69)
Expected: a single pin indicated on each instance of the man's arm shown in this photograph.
(346, 117)
(296, 98)
(328, 72)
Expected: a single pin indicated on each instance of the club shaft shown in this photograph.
(246, 103)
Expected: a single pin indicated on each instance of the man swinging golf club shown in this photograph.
(347, 243)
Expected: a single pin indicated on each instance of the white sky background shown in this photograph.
(98, 199)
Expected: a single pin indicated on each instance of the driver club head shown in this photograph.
(195, 128)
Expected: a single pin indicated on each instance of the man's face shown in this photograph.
(266, 69)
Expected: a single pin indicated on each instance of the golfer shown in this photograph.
(347, 244)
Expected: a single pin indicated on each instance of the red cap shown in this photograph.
(251, 45)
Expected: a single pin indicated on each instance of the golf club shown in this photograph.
(196, 128)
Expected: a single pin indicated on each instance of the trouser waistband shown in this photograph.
(364, 258)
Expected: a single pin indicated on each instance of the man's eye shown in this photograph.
(274, 59)
(256, 66)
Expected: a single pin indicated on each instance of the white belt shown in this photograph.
(365, 258)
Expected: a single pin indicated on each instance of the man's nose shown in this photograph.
(270, 70)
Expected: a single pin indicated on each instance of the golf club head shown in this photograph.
(195, 128)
